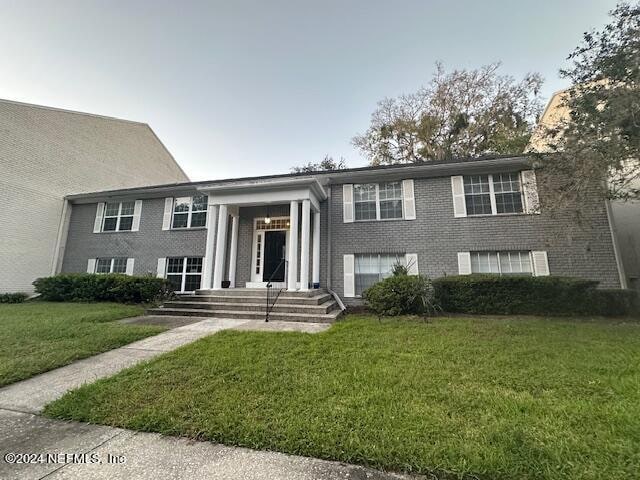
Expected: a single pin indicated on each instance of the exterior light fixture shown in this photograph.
(267, 219)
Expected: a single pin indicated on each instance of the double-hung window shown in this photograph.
(493, 194)
(503, 262)
(111, 265)
(118, 217)
(377, 201)
(190, 212)
(371, 268)
(184, 273)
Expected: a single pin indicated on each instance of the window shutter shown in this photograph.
(137, 210)
(91, 265)
(162, 266)
(457, 189)
(464, 263)
(97, 224)
(540, 263)
(168, 212)
(409, 200)
(530, 191)
(411, 260)
(130, 262)
(347, 203)
(349, 276)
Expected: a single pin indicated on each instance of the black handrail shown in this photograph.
(271, 304)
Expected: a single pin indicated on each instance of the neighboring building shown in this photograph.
(625, 215)
(340, 230)
(47, 153)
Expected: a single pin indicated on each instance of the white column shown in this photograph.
(207, 268)
(233, 254)
(315, 267)
(221, 247)
(304, 250)
(292, 276)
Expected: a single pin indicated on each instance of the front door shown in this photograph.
(274, 253)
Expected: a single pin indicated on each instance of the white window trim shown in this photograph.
(377, 201)
(492, 198)
(183, 282)
(111, 264)
(400, 258)
(189, 213)
(118, 216)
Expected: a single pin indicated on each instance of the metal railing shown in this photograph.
(271, 299)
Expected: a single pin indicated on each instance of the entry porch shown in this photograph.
(259, 233)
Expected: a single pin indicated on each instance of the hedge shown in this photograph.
(13, 297)
(111, 287)
(517, 294)
(401, 294)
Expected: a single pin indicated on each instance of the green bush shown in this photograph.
(401, 295)
(112, 287)
(13, 297)
(518, 294)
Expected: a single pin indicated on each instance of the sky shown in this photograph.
(242, 88)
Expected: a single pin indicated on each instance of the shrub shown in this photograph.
(495, 294)
(401, 295)
(13, 297)
(112, 287)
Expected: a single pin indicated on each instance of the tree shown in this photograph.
(594, 147)
(459, 114)
(327, 163)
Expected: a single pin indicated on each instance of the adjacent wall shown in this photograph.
(46, 154)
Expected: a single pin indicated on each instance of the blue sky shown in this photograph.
(237, 88)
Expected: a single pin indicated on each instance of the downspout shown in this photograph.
(61, 237)
(329, 240)
(616, 247)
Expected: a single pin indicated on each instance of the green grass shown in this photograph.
(39, 336)
(501, 398)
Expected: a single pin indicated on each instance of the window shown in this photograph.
(371, 268)
(504, 263)
(111, 265)
(390, 200)
(118, 216)
(493, 194)
(190, 212)
(184, 273)
(364, 198)
(373, 201)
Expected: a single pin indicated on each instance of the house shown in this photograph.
(625, 215)
(47, 153)
(338, 230)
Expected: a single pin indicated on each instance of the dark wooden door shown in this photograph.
(274, 245)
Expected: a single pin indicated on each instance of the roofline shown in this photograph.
(427, 165)
(77, 112)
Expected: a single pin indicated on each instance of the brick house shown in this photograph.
(339, 231)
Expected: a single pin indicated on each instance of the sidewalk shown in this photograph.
(123, 454)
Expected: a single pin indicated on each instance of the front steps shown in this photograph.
(316, 306)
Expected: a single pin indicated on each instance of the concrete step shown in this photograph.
(325, 307)
(231, 292)
(250, 315)
(259, 299)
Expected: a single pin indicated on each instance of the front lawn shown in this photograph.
(39, 336)
(498, 398)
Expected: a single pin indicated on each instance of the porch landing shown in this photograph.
(315, 306)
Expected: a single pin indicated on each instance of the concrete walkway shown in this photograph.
(73, 450)
(33, 394)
